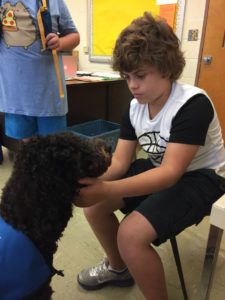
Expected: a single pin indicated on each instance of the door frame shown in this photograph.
(202, 41)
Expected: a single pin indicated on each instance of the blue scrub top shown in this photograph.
(23, 269)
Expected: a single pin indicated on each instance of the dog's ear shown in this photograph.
(96, 158)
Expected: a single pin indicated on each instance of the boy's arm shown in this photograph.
(175, 162)
(64, 43)
(121, 160)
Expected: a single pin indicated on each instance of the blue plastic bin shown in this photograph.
(101, 129)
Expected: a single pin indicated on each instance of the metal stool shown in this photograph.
(217, 226)
(173, 242)
(1, 155)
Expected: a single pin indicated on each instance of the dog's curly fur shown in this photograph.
(39, 196)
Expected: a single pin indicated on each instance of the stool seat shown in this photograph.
(217, 226)
(217, 216)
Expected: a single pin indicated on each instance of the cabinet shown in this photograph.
(88, 101)
(97, 100)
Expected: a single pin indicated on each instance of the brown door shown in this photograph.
(211, 68)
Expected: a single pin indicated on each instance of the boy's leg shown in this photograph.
(134, 237)
(159, 217)
(105, 224)
(112, 271)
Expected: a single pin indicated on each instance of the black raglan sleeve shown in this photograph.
(127, 131)
(191, 123)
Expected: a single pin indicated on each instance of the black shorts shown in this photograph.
(172, 210)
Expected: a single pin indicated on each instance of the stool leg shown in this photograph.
(1, 154)
(211, 255)
(173, 242)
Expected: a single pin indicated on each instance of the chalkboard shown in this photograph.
(106, 19)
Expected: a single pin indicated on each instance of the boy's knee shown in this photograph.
(95, 212)
(135, 232)
(89, 212)
(125, 237)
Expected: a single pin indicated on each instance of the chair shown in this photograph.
(217, 226)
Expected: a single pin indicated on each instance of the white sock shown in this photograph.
(116, 271)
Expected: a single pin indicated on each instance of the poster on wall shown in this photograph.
(107, 18)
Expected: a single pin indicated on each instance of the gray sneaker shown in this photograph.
(99, 276)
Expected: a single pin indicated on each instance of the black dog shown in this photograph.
(37, 203)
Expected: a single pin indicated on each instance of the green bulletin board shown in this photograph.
(106, 19)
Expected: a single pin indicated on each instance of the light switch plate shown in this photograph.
(193, 35)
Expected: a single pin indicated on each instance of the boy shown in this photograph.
(175, 187)
(29, 94)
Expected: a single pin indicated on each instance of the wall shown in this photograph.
(194, 15)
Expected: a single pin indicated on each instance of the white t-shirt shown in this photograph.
(187, 117)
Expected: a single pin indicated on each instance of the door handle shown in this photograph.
(207, 59)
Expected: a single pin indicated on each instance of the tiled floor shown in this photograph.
(78, 248)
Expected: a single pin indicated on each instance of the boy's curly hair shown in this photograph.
(148, 41)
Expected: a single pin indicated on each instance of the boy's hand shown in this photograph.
(53, 41)
(94, 192)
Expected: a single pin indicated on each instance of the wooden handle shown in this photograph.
(58, 73)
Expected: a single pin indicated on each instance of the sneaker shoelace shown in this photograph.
(97, 270)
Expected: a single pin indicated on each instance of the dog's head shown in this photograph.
(53, 161)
